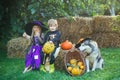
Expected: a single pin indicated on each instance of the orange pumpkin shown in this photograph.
(66, 45)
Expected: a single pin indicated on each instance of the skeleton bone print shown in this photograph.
(52, 36)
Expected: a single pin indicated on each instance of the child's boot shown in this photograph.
(52, 68)
(42, 68)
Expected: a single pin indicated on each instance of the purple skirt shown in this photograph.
(33, 57)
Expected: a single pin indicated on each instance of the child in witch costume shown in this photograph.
(33, 57)
(53, 36)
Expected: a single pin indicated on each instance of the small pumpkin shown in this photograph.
(73, 62)
(75, 71)
(66, 45)
(69, 68)
(80, 71)
(82, 67)
(48, 47)
(80, 63)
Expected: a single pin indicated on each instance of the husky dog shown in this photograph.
(91, 53)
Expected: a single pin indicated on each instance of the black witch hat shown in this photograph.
(29, 26)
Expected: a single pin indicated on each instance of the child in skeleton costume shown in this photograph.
(53, 36)
(33, 57)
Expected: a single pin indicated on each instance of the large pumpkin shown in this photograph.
(66, 45)
(48, 47)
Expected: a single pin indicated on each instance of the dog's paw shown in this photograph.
(88, 70)
(101, 68)
(93, 69)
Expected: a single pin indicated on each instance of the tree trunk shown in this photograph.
(112, 9)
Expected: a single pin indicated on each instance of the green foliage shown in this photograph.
(17, 13)
(118, 18)
(1, 12)
(116, 23)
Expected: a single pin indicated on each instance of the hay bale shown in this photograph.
(107, 39)
(86, 27)
(75, 29)
(59, 62)
(116, 24)
(104, 24)
(16, 47)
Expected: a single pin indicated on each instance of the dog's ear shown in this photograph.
(87, 40)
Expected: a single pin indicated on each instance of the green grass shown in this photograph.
(11, 69)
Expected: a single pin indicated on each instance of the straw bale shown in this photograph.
(59, 61)
(16, 47)
(102, 23)
(107, 39)
(75, 29)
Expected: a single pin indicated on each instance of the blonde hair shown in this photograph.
(33, 33)
(52, 22)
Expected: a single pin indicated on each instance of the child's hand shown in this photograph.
(51, 42)
(24, 34)
(42, 49)
(37, 34)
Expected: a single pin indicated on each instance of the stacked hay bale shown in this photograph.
(102, 24)
(103, 29)
(106, 31)
(107, 39)
(16, 47)
(75, 29)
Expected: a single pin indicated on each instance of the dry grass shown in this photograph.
(75, 29)
(107, 39)
(102, 24)
(16, 47)
(59, 62)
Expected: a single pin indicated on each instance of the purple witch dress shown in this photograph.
(33, 57)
